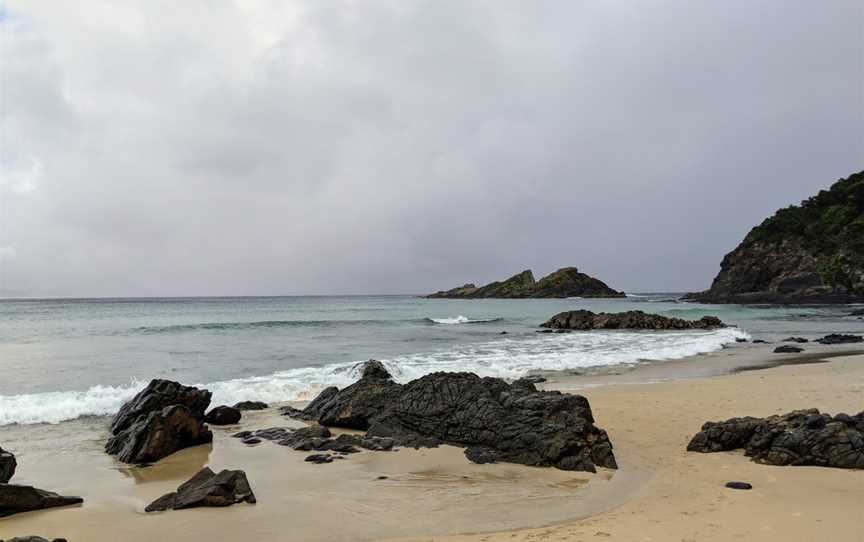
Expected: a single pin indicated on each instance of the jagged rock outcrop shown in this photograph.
(802, 437)
(840, 338)
(7, 466)
(15, 499)
(223, 415)
(207, 488)
(587, 320)
(161, 419)
(566, 282)
(809, 253)
(495, 420)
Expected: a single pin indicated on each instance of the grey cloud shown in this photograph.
(402, 147)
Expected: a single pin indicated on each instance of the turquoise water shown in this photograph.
(65, 358)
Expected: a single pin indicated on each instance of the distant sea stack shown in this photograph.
(808, 253)
(566, 282)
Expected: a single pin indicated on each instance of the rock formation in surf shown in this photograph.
(807, 253)
(7, 466)
(495, 420)
(802, 437)
(586, 320)
(566, 282)
(163, 418)
(207, 488)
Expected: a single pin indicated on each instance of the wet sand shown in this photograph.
(661, 492)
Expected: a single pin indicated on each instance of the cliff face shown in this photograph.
(566, 282)
(808, 253)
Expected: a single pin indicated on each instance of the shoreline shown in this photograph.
(441, 494)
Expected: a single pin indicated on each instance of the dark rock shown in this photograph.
(533, 379)
(587, 320)
(515, 421)
(272, 433)
(251, 441)
(760, 341)
(375, 369)
(207, 489)
(810, 253)
(7, 466)
(159, 434)
(738, 485)
(566, 282)
(33, 539)
(838, 338)
(155, 397)
(383, 477)
(799, 340)
(15, 499)
(788, 349)
(859, 312)
(480, 455)
(802, 437)
(319, 458)
(251, 405)
(223, 415)
(503, 333)
(740, 340)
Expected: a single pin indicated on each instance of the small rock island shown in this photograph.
(566, 282)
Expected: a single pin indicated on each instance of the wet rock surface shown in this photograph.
(33, 539)
(839, 338)
(157, 395)
(7, 466)
(799, 340)
(497, 421)
(739, 485)
(801, 437)
(223, 415)
(251, 405)
(584, 320)
(207, 488)
(788, 349)
(15, 499)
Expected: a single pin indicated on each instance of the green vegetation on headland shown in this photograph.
(807, 253)
(566, 282)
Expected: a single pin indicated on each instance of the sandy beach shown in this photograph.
(661, 492)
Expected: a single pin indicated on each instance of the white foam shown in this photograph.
(506, 358)
(461, 320)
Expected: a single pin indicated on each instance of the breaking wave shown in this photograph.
(463, 320)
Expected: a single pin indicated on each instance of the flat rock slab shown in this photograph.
(207, 489)
(15, 499)
(788, 349)
(801, 437)
(738, 485)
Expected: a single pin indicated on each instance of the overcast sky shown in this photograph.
(268, 147)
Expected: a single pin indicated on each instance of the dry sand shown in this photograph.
(661, 492)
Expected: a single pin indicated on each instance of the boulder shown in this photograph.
(788, 349)
(207, 489)
(839, 338)
(15, 499)
(584, 320)
(159, 434)
(223, 415)
(7, 466)
(801, 437)
(251, 405)
(496, 420)
(156, 396)
(319, 459)
(799, 340)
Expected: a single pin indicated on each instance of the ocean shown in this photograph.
(63, 359)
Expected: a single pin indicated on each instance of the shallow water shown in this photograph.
(66, 358)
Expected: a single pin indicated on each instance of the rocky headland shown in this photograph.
(566, 282)
(807, 253)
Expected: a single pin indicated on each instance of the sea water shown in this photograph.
(67, 358)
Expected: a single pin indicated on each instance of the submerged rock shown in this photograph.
(15, 499)
(799, 340)
(207, 489)
(496, 420)
(587, 320)
(788, 349)
(839, 338)
(251, 405)
(802, 437)
(223, 415)
(158, 435)
(161, 419)
(7, 466)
